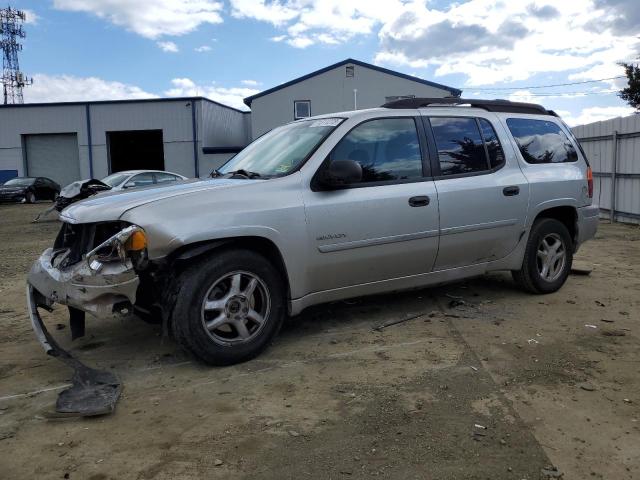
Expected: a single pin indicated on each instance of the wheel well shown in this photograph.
(567, 215)
(265, 247)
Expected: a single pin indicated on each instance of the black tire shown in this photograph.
(194, 286)
(529, 277)
(30, 197)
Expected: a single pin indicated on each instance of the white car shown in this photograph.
(140, 178)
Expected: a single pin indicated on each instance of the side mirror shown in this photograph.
(129, 185)
(341, 173)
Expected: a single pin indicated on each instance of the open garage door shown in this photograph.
(136, 150)
(54, 156)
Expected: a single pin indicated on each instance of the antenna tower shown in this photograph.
(13, 80)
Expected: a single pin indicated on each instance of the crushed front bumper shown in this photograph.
(111, 292)
(106, 290)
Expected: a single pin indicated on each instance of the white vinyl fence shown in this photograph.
(613, 150)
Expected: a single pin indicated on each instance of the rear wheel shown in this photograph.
(229, 307)
(548, 257)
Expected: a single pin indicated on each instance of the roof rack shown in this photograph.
(505, 106)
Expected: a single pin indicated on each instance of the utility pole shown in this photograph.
(13, 80)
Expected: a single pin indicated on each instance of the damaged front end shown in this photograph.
(92, 268)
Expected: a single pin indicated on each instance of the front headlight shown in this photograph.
(129, 246)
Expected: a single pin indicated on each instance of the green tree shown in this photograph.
(631, 94)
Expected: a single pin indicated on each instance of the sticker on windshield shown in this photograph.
(326, 122)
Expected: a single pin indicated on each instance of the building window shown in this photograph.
(350, 70)
(301, 109)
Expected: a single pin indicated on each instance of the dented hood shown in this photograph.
(111, 206)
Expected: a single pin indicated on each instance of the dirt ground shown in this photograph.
(554, 380)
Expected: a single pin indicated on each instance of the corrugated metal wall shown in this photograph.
(220, 126)
(614, 142)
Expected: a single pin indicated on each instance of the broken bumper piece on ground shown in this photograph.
(94, 392)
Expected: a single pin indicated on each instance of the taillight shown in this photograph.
(590, 181)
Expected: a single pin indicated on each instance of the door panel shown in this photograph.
(386, 225)
(478, 223)
(483, 195)
(368, 234)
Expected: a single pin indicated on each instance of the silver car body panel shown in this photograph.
(359, 241)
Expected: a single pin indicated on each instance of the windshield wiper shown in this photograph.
(245, 173)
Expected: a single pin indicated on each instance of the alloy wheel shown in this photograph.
(551, 257)
(235, 308)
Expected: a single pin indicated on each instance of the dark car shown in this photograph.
(29, 189)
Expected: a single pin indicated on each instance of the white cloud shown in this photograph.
(150, 18)
(250, 83)
(233, 96)
(273, 12)
(203, 48)
(170, 47)
(68, 88)
(595, 114)
(308, 22)
(495, 42)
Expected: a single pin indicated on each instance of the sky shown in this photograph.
(229, 49)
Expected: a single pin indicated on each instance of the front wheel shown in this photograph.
(30, 197)
(547, 259)
(229, 307)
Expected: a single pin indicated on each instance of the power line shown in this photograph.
(549, 86)
(563, 94)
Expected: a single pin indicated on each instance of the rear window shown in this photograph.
(541, 141)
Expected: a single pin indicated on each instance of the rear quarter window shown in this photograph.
(541, 141)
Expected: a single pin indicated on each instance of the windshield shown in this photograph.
(115, 179)
(283, 149)
(20, 182)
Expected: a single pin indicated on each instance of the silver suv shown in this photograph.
(415, 193)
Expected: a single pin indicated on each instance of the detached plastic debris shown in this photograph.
(551, 472)
(94, 392)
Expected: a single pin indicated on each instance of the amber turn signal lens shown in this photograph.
(590, 181)
(136, 242)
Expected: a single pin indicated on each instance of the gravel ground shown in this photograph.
(501, 387)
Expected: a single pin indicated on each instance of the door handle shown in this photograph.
(510, 191)
(419, 201)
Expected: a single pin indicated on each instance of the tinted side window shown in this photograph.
(494, 149)
(459, 144)
(386, 149)
(142, 180)
(541, 141)
(165, 177)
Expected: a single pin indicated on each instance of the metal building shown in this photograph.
(346, 85)
(69, 141)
